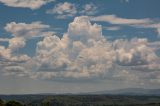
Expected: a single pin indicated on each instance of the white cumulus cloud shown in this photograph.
(81, 52)
(25, 30)
(32, 4)
(89, 9)
(84, 53)
(63, 10)
(66, 9)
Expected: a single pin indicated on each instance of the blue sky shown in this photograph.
(78, 45)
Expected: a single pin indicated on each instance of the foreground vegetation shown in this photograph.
(10, 103)
(78, 100)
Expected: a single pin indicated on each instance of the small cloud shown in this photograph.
(4, 39)
(32, 4)
(89, 9)
(66, 9)
(125, 1)
(16, 42)
(63, 10)
(137, 23)
(112, 28)
(113, 19)
(26, 30)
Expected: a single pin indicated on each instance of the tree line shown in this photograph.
(10, 103)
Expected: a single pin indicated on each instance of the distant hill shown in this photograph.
(130, 91)
(125, 92)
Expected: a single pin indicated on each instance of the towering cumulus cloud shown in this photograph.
(81, 52)
(84, 53)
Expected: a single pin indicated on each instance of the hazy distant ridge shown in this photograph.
(130, 91)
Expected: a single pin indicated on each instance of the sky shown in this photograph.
(72, 46)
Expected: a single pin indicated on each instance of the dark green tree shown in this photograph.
(2, 102)
(13, 103)
(46, 103)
